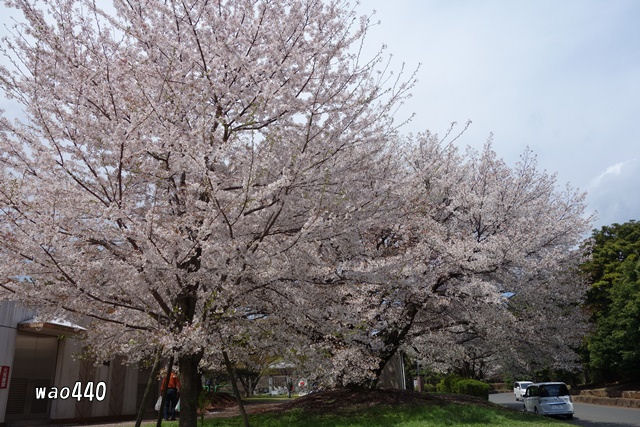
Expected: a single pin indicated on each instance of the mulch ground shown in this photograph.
(219, 401)
(343, 399)
(340, 399)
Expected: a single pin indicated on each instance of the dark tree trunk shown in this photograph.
(249, 380)
(232, 373)
(165, 381)
(393, 340)
(253, 385)
(147, 389)
(188, 363)
(190, 390)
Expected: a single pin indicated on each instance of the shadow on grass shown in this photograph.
(405, 416)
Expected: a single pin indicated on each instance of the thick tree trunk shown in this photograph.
(188, 363)
(147, 389)
(393, 340)
(190, 390)
(234, 385)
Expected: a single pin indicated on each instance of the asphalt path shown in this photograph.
(586, 414)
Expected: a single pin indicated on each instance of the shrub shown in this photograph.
(472, 388)
(430, 388)
(447, 384)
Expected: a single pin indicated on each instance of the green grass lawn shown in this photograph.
(405, 416)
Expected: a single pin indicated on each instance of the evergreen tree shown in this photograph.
(614, 302)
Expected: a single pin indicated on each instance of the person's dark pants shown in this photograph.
(170, 403)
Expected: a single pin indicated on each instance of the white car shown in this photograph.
(519, 388)
(548, 399)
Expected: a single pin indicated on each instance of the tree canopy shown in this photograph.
(614, 302)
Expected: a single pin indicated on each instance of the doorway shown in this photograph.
(34, 366)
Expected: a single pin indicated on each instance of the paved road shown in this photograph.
(585, 414)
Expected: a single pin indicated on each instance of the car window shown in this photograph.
(516, 385)
(553, 390)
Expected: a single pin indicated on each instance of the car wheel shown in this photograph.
(570, 416)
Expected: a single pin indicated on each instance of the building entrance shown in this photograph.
(34, 365)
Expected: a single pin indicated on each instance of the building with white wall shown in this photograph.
(39, 355)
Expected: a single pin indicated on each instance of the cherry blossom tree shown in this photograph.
(539, 328)
(430, 278)
(501, 229)
(175, 157)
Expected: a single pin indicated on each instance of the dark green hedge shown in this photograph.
(446, 385)
(456, 384)
(472, 388)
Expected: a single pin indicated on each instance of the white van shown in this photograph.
(548, 399)
(519, 388)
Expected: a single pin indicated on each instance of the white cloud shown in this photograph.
(615, 170)
(613, 192)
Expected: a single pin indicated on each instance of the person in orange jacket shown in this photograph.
(173, 390)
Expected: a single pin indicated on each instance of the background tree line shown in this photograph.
(612, 351)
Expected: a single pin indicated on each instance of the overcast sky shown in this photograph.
(562, 77)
